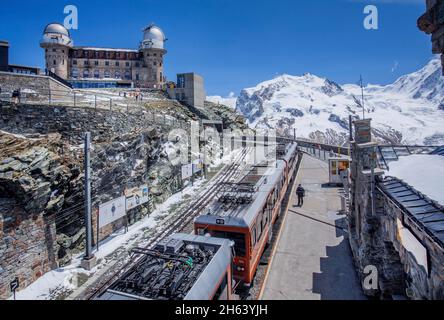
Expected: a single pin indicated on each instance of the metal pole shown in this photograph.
(350, 129)
(95, 102)
(74, 98)
(110, 104)
(98, 230)
(88, 195)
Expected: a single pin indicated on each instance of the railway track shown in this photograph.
(176, 224)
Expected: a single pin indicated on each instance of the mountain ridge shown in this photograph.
(410, 110)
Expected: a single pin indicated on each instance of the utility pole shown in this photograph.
(89, 261)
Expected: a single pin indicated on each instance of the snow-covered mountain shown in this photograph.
(411, 110)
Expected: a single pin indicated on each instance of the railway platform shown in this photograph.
(312, 259)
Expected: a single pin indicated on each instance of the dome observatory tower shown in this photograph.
(56, 41)
(152, 48)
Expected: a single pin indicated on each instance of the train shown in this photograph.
(247, 209)
(229, 240)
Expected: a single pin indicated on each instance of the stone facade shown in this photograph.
(42, 85)
(432, 22)
(374, 226)
(41, 181)
(141, 68)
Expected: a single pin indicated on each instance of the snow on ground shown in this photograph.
(423, 172)
(64, 280)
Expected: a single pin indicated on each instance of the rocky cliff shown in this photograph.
(41, 175)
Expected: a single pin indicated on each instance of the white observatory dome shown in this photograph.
(55, 33)
(153, 38)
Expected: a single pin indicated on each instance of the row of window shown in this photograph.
(106, 74)
(117, 63)
(111, 55)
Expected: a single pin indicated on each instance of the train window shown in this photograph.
(238, 238)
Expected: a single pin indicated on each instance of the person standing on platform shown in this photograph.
(301, 195)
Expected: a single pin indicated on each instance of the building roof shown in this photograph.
(56, 28)
(104, 49)
(153, 38)
(428, 215)
(423, 172)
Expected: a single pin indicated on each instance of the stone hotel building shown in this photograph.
(92, 67)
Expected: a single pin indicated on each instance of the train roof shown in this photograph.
(181, 267)
(239, 203)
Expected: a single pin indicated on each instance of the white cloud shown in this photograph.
(395, 66)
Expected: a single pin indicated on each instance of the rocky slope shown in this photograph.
(41, 174)
(410, 110)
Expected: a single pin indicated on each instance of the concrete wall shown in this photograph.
(192, 92)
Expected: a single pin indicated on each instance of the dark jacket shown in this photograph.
(300, 192)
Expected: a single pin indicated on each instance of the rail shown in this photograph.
(51, 74)
(177, 224)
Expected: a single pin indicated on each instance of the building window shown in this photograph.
(155, 63)
(107, 63)
(96, 63)
(55, 62)
(128, 75)
(74, 73)
(155, 54)
(118, 75)
(85, 73)
(137, 77)
(107, 74)
(74, 62)
(117, 63)
(86, 63)
(161, 77)
(54, 50)
(96, 74)
(127, 64)
(137, 65)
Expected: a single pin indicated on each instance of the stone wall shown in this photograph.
(432, 22)
(32, 83)
(375, 240)
(28, 246)
(41, 180)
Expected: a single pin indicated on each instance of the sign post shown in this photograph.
(14, 285)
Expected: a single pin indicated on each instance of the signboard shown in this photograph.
(363, 132)
(112, 211)
(14, 285)
(197, 166)
(187, 171)
(136, 197)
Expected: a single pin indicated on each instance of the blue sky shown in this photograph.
(238, 43)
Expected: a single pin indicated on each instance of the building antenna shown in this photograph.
(362, 95)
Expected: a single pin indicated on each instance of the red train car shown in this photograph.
(247, 209)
